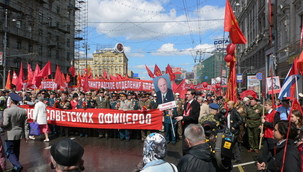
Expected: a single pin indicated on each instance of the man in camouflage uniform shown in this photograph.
(213, 110)
(253, 121)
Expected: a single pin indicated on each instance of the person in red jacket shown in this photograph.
(269, 120)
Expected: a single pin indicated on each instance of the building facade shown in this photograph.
(111, 61)
(212, 67)
(37, 31)
(272, 29)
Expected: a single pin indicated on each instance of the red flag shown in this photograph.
(169, 71)
(15, 79)
(296, 106)
(299, 63)
(36, 79)
(181, 89)
(46, 70)
(112, 78)
(150, 73)
(72, 71)
(67, 78)
(105, 75)
(157, 71)
(119, 76)
(30, 75)
(20, 77)
(8, 85)
(126, 76)
(58, 77)
(78, 80)
(231, 26)
(85, 84)
(231, 92)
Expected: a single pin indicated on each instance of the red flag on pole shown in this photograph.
(169, 71)
(20, 77)
(231, 92)
(150, 73)
(8, 85)
(67, 78)
(181, 89)
(36, 79)
(105, 75)
(72, 71)
(58, 77)
(157, 71)
(30, 75)
(231, 25)
(46, 70)
(15, 79)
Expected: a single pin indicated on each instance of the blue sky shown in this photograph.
(156, 31)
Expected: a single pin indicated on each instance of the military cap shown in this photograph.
(214, 106)
(15, 97)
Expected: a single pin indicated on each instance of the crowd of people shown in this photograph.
(195, 122)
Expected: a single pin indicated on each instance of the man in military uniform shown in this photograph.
(114, 101)
(213, 110)
(2, 107)
(144, 103)
(125, 104)
(102, 103)
(14, 121)
(253, 121)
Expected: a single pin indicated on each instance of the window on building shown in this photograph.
(67, 42)
(68, 56)
(18, 24)
(57, 54)
(49, 21)
(19, 44)
(40, 50)
(40, 17)
(58, 9)
(30, 47)
(49, 53)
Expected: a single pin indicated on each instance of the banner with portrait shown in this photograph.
(273, 85)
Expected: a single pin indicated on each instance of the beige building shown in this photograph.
(111, 61)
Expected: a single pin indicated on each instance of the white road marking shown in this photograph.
(246, 163)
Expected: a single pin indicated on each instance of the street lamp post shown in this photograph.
(4, 48)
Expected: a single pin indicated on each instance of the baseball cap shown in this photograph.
(67, 152)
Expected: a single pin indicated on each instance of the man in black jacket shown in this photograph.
(233, 122)
(199, 156)
(191, 110)
(191, 113)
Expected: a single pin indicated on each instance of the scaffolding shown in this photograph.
(81, 29)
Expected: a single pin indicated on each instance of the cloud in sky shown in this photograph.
(169, 49)
(140, 19)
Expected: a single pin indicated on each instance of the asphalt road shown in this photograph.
(105, 155)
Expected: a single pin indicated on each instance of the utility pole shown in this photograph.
(4, 49)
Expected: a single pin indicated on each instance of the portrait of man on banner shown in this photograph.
(273, 84)
(163, 89)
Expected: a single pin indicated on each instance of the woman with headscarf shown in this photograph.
(154, 151)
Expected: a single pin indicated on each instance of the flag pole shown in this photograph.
(297, 88)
